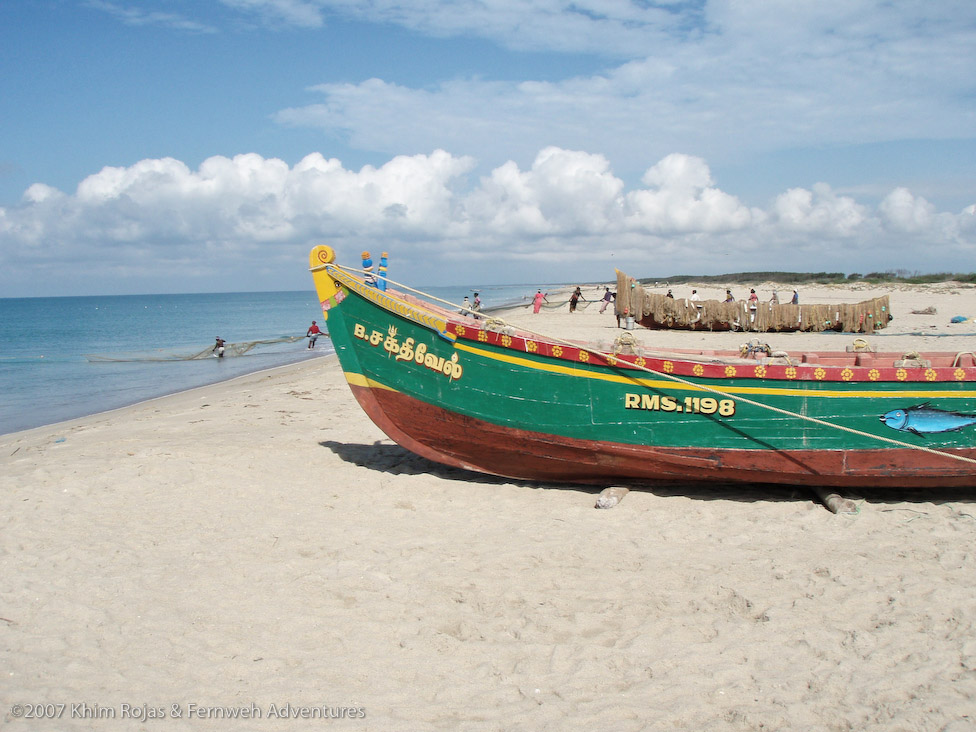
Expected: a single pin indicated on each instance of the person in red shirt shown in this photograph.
(312, 334)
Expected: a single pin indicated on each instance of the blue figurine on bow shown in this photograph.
(381, 282)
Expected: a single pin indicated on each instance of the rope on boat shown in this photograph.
(702, 387)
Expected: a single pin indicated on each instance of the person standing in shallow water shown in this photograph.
(312, 334)
(218, 349)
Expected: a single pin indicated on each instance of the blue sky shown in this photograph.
(187, 145)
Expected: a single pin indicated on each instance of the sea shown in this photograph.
(67, 357)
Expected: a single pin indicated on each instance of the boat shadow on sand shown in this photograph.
(390, 458)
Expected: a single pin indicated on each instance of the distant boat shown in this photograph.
(482, 395)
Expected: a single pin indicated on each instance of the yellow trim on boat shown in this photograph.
(743, 390)
(355, 379)
(430, 320)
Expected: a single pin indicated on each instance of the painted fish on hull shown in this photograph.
(923, 419)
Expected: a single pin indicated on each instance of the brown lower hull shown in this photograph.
(464, 442)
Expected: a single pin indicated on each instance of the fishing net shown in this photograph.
(230, 349)
(580, 305)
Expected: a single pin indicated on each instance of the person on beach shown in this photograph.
(670, 295)
(312, 334)
(796, 298)
(575, 298)
(696, 299)
(774, 300)
(466, 307)
(753, 305)
(537, 301)
(728, 296)
(607, 298)
(218, 349)
(477, 306)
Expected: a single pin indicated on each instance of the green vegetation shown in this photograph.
(919, 279)
(812, 278)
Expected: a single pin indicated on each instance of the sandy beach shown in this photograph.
(259, 548)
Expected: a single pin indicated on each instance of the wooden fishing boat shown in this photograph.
(482, 395)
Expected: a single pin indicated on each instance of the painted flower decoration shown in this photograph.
(612, 360)
(819, 373)
(460, 330)
(642, 362)
(730, 370)
(698, 369)
(874, 374)
(506, 341)
(668, 367)
(847, 374)
(790, 372)
(930, 375)
(483, 336)
(584, 356)
(959, 374)
(901, 374)
(557, 351)
(531, 346)
(760, 371)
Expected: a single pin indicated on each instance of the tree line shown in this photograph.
(814, 278)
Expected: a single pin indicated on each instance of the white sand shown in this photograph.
(260, 541)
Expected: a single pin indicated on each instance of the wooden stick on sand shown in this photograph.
(835, 502)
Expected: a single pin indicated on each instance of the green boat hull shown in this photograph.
(453, 390)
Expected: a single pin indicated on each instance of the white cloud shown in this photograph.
(905, 212)
(564, 193)
(715, 79)
(39, 193)
(818, 211)
(591, 26)
(300, 13)
(681, 198)
(139, 17)
(907, 215)
(250, 219)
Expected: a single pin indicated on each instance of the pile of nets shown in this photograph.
(659, 311)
